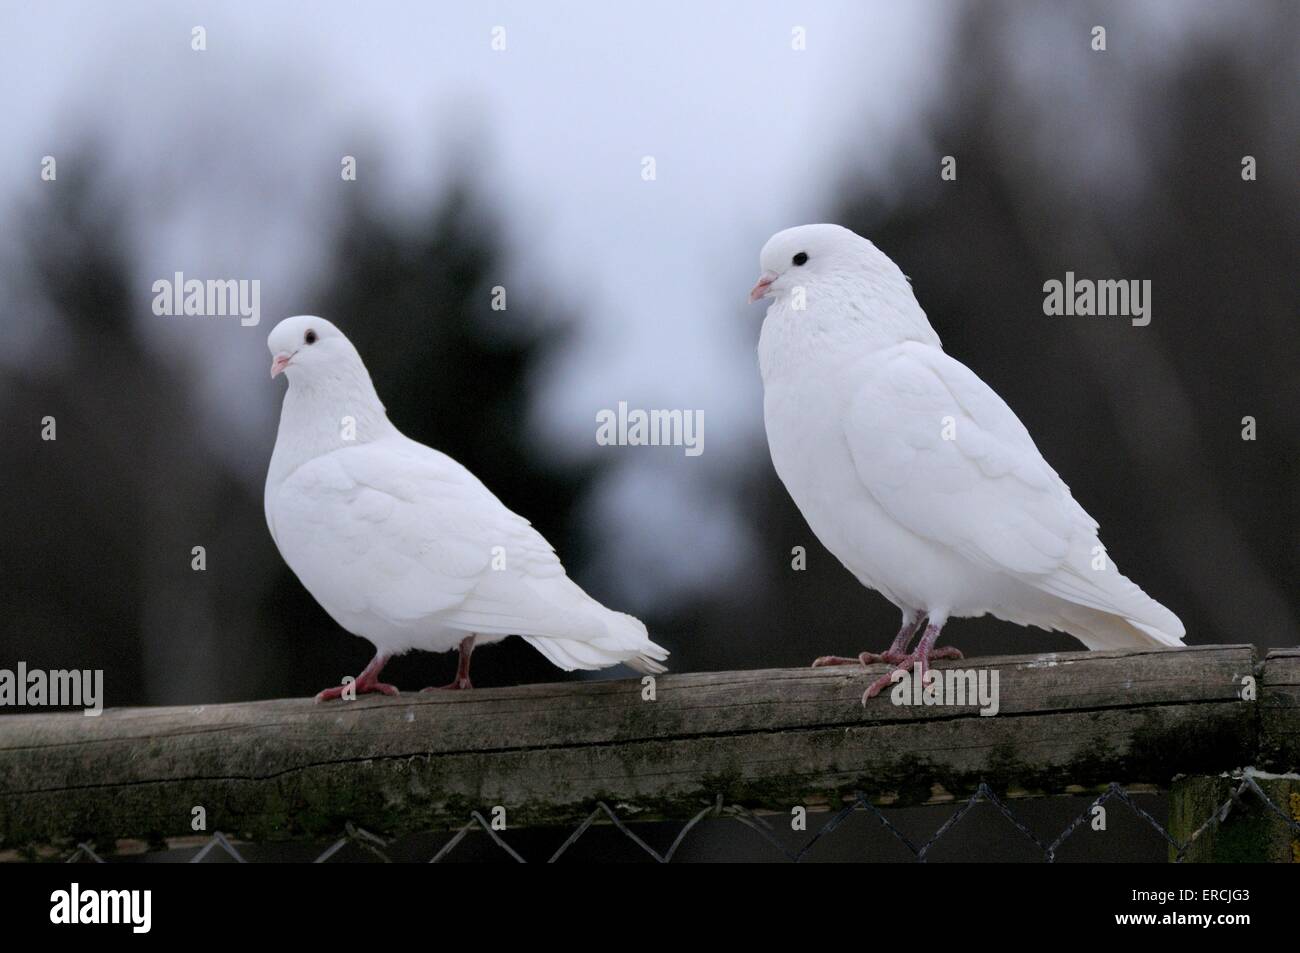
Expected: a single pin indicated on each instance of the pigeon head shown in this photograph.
(826, 284)
(331, 401)
(306, 346)
(808, 255)
(817, 258)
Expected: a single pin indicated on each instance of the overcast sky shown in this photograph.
(236, 144)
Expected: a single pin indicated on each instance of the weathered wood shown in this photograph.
(1249, 832)
(1069, 722)
(1279, 709)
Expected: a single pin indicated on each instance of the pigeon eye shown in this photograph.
(800, 259)
(310, 337)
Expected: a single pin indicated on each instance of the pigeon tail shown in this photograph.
(1105, 609)
(1102, 630)
(625, 641)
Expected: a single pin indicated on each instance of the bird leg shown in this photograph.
(462, 668)
(368, 681)
(918, 662)
(893, 655)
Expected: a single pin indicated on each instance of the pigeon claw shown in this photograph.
(364, 684)
(864, 659)
(919, 660)
(827, 660)
(460, 684)
(882, 658)
(883, 682)
(361, 688)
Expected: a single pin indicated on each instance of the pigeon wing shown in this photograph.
(945, 456)
(402, 531)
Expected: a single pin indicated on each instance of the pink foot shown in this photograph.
(866, 658)
(461, 682)
(365, 683)
(827, 660)
(884, 681)
(919, 660)
(362, 688)
(896, 652)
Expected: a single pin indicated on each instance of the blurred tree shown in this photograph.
(101, 521)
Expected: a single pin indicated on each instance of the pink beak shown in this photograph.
(760, 289)
(279, 364)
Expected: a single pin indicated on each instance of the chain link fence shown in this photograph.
(1245, 791)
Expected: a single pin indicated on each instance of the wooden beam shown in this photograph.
(1067, 723)
(1279, 708)
(1248, 831)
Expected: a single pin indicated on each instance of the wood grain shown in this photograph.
(1068, 722)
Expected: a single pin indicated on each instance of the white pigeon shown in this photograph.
(401, 544)
(913, 472)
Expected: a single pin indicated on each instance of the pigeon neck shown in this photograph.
(322, 415)
(842, 318)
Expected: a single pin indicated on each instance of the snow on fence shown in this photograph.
(1216, 726)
